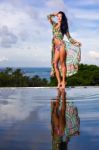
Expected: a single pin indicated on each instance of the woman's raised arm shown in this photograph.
(49, 17)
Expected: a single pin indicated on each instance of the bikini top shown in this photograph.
(56, 32)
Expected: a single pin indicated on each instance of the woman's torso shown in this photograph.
(57, 35)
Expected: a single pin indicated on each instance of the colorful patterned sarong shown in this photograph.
(72, 120)
(73, 58)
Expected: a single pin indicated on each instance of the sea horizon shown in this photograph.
(42, 72)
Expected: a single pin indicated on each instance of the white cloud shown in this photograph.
(3, 58)
(84, 3)
(89, 14)
(11, 16)
(94, 54)
(58, 4)
(89, 2)
(7, 38)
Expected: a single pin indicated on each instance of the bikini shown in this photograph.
(58, 35)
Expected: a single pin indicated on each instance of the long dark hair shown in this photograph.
(64, 25)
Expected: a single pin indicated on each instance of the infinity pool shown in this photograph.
(49, 119)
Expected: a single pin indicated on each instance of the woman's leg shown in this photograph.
(56, 60)
(63, 64)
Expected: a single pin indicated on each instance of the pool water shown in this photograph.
(49, 118)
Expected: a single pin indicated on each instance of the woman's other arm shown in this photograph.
(71, 40)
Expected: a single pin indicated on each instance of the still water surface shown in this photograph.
(49, 119)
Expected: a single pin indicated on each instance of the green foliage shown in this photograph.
(16, 78)
(86, 75)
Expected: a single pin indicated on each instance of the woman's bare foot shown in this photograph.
(63, 84)
(59, 84)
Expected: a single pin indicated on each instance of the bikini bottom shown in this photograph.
(58, 46)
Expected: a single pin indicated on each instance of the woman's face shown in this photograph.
(59, 16)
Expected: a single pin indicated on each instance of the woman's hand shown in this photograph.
(77, 43)
(52, 73)
(55, 14)
(51, 15)
(52, 62)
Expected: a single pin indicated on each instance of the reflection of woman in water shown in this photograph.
(64, 121)
(58, 122)
(59, 117)
(60, 51)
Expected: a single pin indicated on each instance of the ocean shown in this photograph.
(31, 71)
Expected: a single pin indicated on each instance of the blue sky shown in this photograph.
(25, 33)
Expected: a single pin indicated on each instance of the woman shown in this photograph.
(59, 49)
